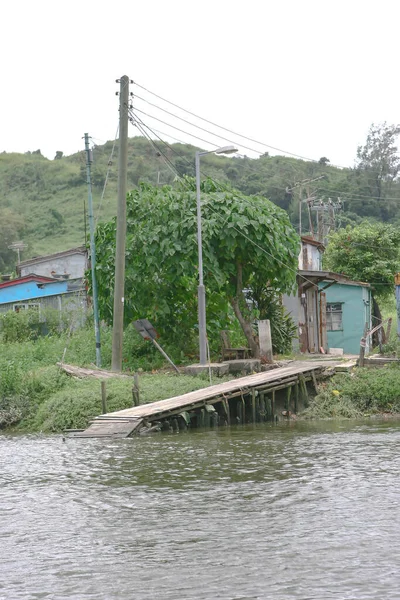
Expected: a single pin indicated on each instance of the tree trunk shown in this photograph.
(376, 313)
(246, 327)
(245, 324)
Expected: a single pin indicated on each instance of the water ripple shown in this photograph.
(303, 511)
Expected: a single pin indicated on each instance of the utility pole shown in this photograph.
(300, 184)
(89, 160)
(300, 206)
(119, 286)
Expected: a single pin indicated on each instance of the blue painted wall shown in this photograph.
(29, 290)
(356, 309)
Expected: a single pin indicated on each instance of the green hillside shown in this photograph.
(43, 201)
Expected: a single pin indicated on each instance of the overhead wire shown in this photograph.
(221, 127)
(178, 174)
(177, 128)
(263, 144)
(109, 164)
(241, 232)
(343, 193)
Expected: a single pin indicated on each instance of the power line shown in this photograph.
(238, 230)
(263, 144)
(255, 170)
(224, 128)
(198, 126)
(177, 173)
(136, 121)
(109, 164)
(177, 128)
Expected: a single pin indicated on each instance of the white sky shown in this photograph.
(306, 76)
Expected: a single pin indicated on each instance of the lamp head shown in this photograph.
(226, 150)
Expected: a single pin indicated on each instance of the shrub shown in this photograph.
(364, 392)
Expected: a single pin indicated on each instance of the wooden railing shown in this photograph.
(368, 333)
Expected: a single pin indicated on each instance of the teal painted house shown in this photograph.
(348, 309)
(329, 309)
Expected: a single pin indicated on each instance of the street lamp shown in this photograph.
(201, 291)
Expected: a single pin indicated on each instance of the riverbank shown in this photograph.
(35, 395)
(360, 393)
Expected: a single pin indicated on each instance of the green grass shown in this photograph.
(35, 395)
(364, 392)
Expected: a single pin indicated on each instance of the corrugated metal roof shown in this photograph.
(27, 278)
(37, 259)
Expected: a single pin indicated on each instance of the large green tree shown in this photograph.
(246, 242)
(368, 252)
(379, 162)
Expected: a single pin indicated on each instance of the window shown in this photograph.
(334, 316)
(31, 305)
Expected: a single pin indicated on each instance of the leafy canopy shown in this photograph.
(368, 252)
(245, 241)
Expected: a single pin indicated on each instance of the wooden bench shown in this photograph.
(229, 353)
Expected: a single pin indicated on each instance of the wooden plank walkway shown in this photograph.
(123, 423)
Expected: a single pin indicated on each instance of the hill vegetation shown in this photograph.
(43, 202)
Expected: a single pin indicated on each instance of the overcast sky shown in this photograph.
(308, 76)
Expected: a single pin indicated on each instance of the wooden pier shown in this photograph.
(248, 399)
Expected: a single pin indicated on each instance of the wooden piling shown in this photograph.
(103, 398)
(135, 390)
(268, 408)
(288, 396)
(303, 388)
(273, 405)
(314, 380)
(225, 404)
(296, 398)
(243, 410)
(253, 404)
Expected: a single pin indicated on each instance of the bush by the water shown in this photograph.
(35, 395)
(364, 392)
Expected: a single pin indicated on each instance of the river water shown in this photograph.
(297, 510)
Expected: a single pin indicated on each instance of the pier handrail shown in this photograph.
(368, 333)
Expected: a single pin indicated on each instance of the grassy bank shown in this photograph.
(35, 395)
(365, 392)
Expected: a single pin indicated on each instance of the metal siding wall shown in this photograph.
(354, 314)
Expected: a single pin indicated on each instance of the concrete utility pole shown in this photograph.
(89, 161)
(119, 286)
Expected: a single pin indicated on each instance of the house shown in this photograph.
(70, 264)
(38, 291)
(329, 309)
(348, 311)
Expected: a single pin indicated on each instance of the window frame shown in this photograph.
(329, 313)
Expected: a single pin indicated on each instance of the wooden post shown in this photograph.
(273, 405)
(103, 398)
(253, 404)
(268, 408)
(288, 396)
(135, 390)
(265, 341)
(261, 406)
(387, 333)
(314, 378)
(363, 344)
(225, 403)
(296, 398)
(303, 388)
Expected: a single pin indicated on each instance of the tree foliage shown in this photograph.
(379, 162)
(11, 228)
(368, 252)
(246, 242)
